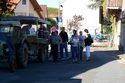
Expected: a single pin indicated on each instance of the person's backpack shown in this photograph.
(91, 39)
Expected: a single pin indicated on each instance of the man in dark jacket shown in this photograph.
(64, 36)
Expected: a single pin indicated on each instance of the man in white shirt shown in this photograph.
(32, 30)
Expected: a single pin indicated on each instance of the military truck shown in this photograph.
(26, 44)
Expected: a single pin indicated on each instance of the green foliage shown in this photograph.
(107, 29)
(5, 14)
(104, 8)
(95, 4)
(53, 10)
(5, 11)
(53, 23)
(113, 23)
(108, 18)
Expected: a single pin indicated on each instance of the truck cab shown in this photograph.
(9, 33)
(36, 45)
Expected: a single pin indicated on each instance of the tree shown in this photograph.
(107, 29)
(4, 6)
(95, 4)
(53, 11)
(75, 22)
(53, 23)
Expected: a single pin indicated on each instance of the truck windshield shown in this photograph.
(6, 29)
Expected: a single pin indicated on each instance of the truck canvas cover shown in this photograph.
(26, 19)
(13, 23)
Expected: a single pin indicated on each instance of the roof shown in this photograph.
(37, 8)
(44, 12)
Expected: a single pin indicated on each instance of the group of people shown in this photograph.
(77, 43)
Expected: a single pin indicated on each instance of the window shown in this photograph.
(24, 2)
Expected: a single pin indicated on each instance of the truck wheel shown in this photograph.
(23, 56)
(40, 55)
(12, 63)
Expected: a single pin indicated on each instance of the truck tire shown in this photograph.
(12, 63)
(22, 56)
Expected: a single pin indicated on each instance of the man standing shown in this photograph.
(81, 44)
(64, 37)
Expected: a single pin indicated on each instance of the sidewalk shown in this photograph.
(121, 58)
(100, 44)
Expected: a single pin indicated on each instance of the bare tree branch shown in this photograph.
(75, 22)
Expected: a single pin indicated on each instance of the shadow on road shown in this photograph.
(61, 71)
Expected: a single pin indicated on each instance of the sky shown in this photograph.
(50, 3)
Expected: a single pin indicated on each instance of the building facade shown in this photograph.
(80, 7)
(123, 26)
(115, 8)
(29, 8)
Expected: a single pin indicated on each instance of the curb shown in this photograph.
(121, 60)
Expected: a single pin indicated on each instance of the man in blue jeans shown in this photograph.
(63, 45)
(81, 44)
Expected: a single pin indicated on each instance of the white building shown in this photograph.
(80, 7)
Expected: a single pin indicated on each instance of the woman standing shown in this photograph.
(74, 41)
(88, 43)
(55, 40)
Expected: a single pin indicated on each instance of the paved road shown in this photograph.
(103, 68)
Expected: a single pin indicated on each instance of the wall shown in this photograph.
(117, 32)
(25, 10)
(32, 11)
(123, 28)
(22, 9)
(80, 7)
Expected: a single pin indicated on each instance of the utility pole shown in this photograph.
(58, 16)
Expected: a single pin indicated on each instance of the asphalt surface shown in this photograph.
(103, 68)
